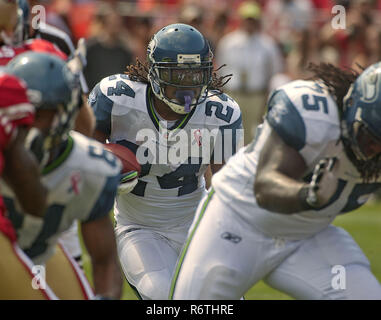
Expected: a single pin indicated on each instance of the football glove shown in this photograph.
(128, 182)
(323, 184)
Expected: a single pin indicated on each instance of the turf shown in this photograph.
(363, 224)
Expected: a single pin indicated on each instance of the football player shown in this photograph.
(48, 40)
(268, 215)
(170, 98)
(43, 39)
(80, 175)
(17, 166)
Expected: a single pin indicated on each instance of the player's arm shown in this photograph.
(210, 171)
(98, 236)
(85, 121)
(278, 181)
(278, 186)
(101, 106)
(216, 167)
(100, 136)
(21, 173)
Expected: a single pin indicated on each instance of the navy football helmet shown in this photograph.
(361, 122)
(179, 56)
(51, 86)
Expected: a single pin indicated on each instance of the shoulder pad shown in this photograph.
(93, 158)
(123, 91)
(222, 111)
(302, 112)
(115, 95)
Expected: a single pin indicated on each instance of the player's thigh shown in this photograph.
(16, 275)
(147, 260)
(219, 256)
(329, 265)
(66, 278)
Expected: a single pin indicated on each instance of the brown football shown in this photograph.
(125, 155)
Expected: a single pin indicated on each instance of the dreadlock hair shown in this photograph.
(139, 72)
(338, 82)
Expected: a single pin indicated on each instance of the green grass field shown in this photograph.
(365, 227)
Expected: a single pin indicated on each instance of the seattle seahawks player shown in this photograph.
(268, 215)
(161, 111)
(80, 175)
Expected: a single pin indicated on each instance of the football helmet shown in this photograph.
(179, 56)
(361, 121)
(51, 86)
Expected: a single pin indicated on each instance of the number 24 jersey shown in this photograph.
(168, 191)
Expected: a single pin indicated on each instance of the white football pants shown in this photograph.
(224, 257)
(148, 257)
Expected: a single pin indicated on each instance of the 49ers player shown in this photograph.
(20, 170)
(7, 53)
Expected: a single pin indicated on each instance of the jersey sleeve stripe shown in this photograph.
(286, 120)
(21, 113)
(102, 107)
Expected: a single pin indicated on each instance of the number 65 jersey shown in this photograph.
(306, 118)
(175, 154)
(82, 184)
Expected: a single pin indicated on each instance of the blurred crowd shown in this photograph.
(263, 44)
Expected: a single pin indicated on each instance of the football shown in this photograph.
(125, 155)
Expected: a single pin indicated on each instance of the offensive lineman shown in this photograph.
(169, 99)
(268, 215)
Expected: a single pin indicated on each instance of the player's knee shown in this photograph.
(222, 282)
(154, 285)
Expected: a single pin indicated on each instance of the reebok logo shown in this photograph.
(231, 237)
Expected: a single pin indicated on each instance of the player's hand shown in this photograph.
(128, 182)
(323, 183)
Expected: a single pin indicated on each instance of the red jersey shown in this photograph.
(15, 110)
(7, 53)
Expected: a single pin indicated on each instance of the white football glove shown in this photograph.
(128, 182)
(323, 183)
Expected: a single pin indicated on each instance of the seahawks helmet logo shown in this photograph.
(370, 90)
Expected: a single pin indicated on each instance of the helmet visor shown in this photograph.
(184, 77)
